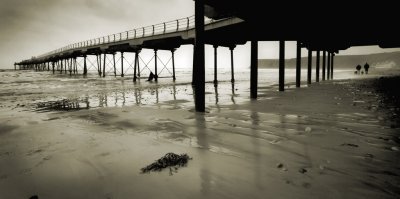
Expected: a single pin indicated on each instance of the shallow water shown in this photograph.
(36, 89)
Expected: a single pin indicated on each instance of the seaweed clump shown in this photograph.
(168, 160)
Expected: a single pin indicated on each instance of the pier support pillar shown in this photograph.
(199, 68)
(215, 64)
(232, 67)
(309, 66)
(135, 66)
(323, 65)
(48, 66)
(61, 61)
(281, 65)
(115, 70)
(155, 65)
(75, 66)
(65, 66)
(298, 64)
(104, 65)
(329, 66)
(84, 65)
(122, 64)
(332, 56)
(173, 64)
(138, 63)
(317, 67)
(253, 69)
(53, 66)
(70, 66)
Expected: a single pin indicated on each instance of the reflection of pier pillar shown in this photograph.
(122, 64)
(309, 66)
(333, 55)
(323, 65)
(232, 68)
(253, 69)
(199, 69)
(155, 65)
(329, 66)
(115, 70)
(317, 67)
(84, 65)
(281, 65)
(298, 63)
(173, 64)
(104, 65)
(215, 64)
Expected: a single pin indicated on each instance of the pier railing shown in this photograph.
(182, 24)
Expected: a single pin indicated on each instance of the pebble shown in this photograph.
(308, 129)
(302, 170)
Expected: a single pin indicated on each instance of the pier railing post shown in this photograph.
(317, 67)
(199, 57)
(253, 69)
(323, 65)
(281, 65)
(309, 66)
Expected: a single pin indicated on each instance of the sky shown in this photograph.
(33, 27)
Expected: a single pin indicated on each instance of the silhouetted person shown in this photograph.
(358, 67)
(151, 76)
(366, 67)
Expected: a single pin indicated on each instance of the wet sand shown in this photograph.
(336, 139)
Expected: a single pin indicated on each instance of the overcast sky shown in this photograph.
(33, 27)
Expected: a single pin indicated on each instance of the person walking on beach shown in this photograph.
(358, 67)
(366, 67)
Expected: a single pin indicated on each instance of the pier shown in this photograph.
(229, 23)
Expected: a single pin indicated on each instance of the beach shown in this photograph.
(332, 139)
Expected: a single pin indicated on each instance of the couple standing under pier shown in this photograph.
(366, 67)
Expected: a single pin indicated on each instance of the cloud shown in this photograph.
(33, 27)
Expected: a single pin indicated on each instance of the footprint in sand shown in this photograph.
(349, 144)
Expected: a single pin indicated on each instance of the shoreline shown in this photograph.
(333, 139)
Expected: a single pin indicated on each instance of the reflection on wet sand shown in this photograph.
(202, 142)
(176, 95)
